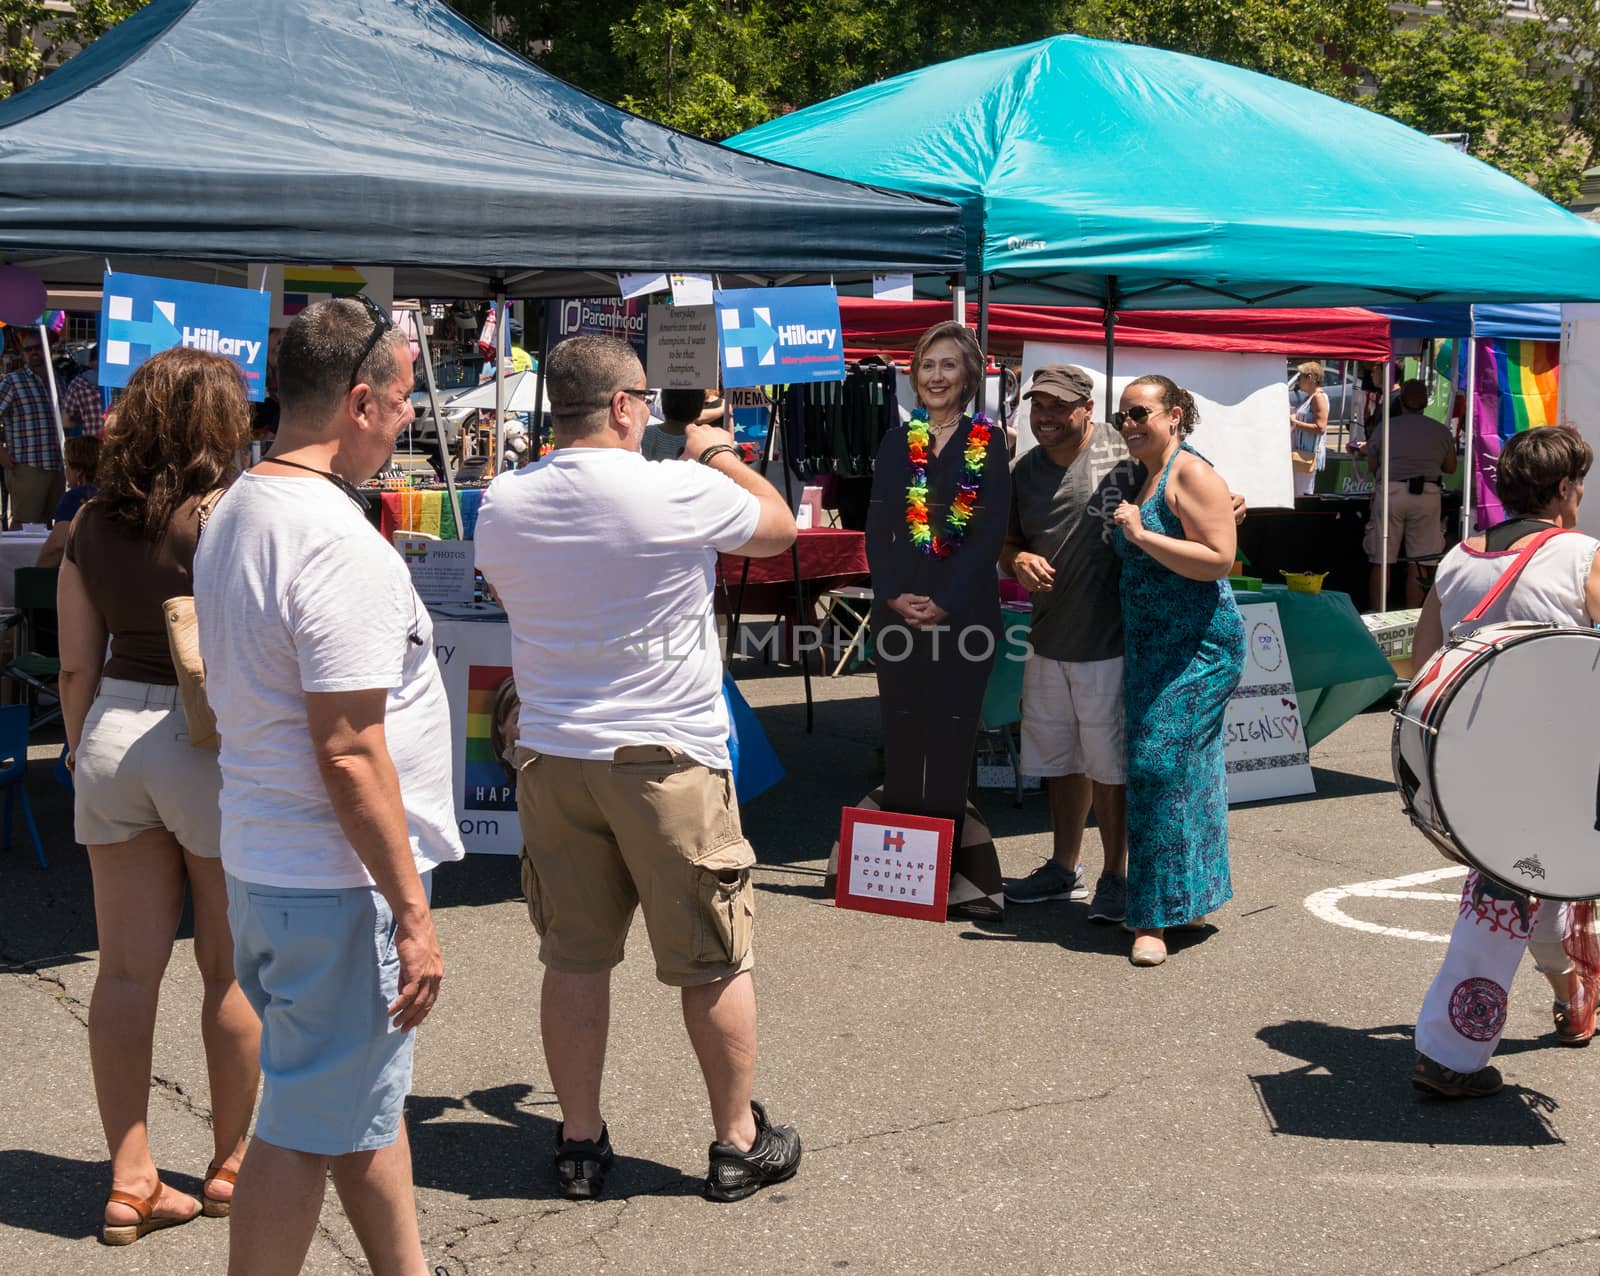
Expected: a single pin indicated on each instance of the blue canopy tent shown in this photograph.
(1472, 323)
(1135, 178)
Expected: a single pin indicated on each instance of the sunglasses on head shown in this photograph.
(1138, 414)
(381, 323)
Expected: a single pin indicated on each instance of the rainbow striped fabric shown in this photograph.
(430, 513)
(1518, 386)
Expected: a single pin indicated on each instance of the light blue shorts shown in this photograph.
(321, 970)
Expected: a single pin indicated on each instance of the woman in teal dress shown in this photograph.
(1184, 654)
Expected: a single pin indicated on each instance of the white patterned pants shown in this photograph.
(1464, 1013)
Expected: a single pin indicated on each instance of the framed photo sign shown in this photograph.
(894, 864)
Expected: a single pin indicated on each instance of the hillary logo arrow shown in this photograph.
(123, 331)
(759, 336)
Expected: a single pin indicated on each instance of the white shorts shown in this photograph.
(1072, 721)
(135, 770)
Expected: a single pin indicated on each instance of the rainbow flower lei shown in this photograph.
(966, 497)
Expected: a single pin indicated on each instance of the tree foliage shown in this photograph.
(37, 39)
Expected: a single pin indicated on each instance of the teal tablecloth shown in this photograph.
(1338, 668)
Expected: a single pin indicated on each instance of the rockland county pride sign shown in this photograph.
(141, 316)
(780, 336)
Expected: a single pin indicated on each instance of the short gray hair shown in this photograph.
(317, 358)
(583, 374)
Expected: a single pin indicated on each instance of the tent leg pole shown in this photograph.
(537, 448)
(958, 298)
(1470, 428)
(55, 396)
(502, 333)
(1383, 479)
(426, 347)
(1111, 343)
(982, 404)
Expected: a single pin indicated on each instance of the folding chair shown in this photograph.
(1002, 698)
(854, 604)
(32, 666)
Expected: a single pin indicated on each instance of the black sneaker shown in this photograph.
(772, 1158)
(1435, 1078)
(581, 1164)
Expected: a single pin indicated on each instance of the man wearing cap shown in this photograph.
(1059, 545)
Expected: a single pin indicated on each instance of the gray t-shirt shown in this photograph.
(1420, 447)
(1066, 517)
(658, 445)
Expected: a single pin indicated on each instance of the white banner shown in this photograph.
(475, 659)
(1265, 741)
(1243, 401)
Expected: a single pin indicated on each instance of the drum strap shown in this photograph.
(1509, 577)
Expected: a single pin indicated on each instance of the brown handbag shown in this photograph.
(183, 640)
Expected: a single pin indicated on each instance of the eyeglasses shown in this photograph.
(1138, 414)
(647, 397)
(381, 323)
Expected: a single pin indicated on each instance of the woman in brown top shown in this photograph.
(147, 802)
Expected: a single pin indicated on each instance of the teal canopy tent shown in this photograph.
(1134, 178)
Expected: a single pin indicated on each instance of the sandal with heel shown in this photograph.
(210, 1206)
(127, 1233)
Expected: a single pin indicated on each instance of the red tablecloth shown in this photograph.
(829, 557)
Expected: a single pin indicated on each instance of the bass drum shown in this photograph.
(1496, 753)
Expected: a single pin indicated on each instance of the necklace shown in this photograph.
(966, 498)
(338, 480)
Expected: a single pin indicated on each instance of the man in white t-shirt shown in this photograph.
(605, 565)
(336, 797)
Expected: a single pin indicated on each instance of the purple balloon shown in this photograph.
(22, 296)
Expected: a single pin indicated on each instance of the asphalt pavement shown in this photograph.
(1006, 1098)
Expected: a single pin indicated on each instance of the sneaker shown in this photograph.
(1048, 881)
(1110, 899)
(1438, 1079)
(1575, 1021)
(581, 1164)
(772, 1158)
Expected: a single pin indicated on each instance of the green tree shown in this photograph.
(37, 39)
(1507, 84)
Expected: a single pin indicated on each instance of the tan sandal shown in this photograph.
(127, 1233)
(210, 1206)
(1148, 950)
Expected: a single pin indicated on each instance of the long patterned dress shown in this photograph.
(1184, 657)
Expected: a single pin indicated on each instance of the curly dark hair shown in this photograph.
(1173, 396)
(178, 431)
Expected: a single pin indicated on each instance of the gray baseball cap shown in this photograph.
(1066, 381)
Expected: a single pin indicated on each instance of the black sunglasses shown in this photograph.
(381, 323)
(1138, 414)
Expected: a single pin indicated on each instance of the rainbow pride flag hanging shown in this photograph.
(1518, 388)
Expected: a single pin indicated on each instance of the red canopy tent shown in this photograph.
(1343, 333)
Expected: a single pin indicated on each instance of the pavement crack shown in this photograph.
(45, 980)
(1588, 1238)
(1009, 1110)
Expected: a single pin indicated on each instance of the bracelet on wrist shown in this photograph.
(716, 449)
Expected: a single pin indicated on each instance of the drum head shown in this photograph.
(1516, 766)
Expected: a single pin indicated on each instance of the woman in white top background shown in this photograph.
(1308, 429)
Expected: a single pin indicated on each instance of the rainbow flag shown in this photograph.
(487, 786)
(302, 283)
(1518, 388)
(429, 512)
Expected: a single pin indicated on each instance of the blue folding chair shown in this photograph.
(14, 774)
(1002, 698)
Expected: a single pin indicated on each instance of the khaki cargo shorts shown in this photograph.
(651, 827)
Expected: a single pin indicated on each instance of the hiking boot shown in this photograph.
(581, 1164)
(1048, 881)
(772, 1158)
(1110, 903)
(1438, 1079)
(1575, 1021)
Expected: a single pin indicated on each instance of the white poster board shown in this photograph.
(475, 660)
(441, 571)
(1264, 739)
(1243, 401)
(681, 348)
(1580, 389)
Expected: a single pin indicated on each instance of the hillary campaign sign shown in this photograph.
(780, 336)
(895, 864)
(141, 316)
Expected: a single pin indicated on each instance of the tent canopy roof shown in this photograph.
(1092, 172)
(1532, 322)
(394, 133)
(1348, 333)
